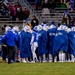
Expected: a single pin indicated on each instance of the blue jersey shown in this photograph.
(71, 36)
(10, 38)
(25, 48)
(42, 42)
(51, 35)
(60, 42)
(35, 35)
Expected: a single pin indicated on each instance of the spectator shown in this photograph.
(12, 11)
(53, 4)
(3, 9)
(19, 14)
(72, 4)
(45, 4)
(37, 3)
(73, 21)
(68, 3)
(17, 19)
(34, 21)
(17, 5)
(26, 13)
(58, 3)
(66, 19)
(63, 1)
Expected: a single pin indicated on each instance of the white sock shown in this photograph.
(63, 57)
(26, 59)
(34, 56)
(23, 59)
(55, 59)
(60, 56)
(50, 57)
(44, 57)
(40, 58)
(72, 58)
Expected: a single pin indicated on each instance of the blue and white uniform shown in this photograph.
(51, 35)
(42, 43)
(34, 45)
(71, 37)
(25, 47)
(60, 42)
(10, 38)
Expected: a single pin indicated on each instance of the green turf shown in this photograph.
(37, 69)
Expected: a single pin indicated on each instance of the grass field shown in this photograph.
(37, 69)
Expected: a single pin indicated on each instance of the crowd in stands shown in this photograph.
(14, 10)
(19, 13)
(54, 4)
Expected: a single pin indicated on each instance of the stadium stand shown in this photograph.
(55, 14)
